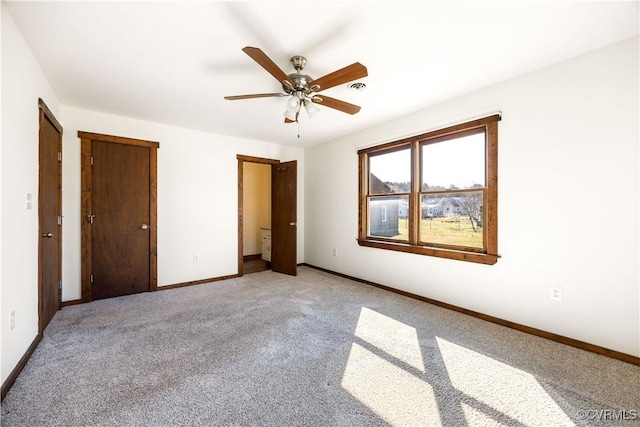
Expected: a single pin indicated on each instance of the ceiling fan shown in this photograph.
(302, 88)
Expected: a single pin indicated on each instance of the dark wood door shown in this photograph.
(49, 217)
(120, 220)
(284, 227)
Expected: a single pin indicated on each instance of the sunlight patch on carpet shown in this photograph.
(381, 372)
(396, 339)
(515, 393)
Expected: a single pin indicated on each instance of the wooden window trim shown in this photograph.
(489, 253)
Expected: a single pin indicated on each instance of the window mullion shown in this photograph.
(414, 215)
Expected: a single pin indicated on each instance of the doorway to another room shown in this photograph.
(256, 224)
(267, 215)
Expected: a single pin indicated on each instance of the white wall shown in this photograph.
(22, 84)
(256, 205)
(197, 196)
(568, 203)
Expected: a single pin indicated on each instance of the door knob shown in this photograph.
(47, 235)
(144, 226)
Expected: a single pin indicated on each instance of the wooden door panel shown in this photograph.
(120, 201)
(284, 229)
(49, 212)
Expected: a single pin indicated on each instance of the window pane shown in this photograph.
(454, 163)
(388, 217)
(452, 219)
(390, 172)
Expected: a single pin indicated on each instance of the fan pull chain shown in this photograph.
(298, 122)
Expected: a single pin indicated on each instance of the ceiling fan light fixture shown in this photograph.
(310, 108)
(293, 103)
(291, 115)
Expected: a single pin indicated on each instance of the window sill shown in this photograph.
(479, 258)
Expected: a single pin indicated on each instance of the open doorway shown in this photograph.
(256, 218)
(282, 230)
(280, 254)
(254, 213)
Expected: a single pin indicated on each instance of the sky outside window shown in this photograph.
(458, 162)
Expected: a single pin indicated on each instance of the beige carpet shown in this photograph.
(313, 350)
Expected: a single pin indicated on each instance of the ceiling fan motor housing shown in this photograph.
(299, 80)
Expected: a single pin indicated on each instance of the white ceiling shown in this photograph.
(172, 62)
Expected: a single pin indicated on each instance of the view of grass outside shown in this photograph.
(445, 231)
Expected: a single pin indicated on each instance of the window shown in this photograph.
(433, 194)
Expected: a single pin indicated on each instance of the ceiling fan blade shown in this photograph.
(345, 107)
(343, 75)
(265, 62)
(254, 95)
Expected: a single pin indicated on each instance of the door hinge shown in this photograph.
(59, 221)
(59, 284)
(91, 278)
(90, 218)
(59, 156)
(91, 160)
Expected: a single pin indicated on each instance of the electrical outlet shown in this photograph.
(196, 258)
(555, 294)
(335, 252)
(13, 319)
